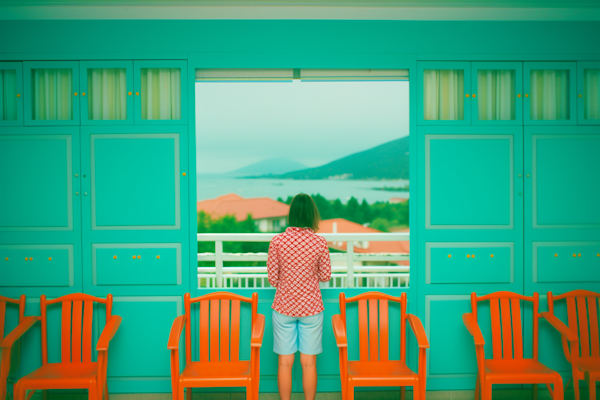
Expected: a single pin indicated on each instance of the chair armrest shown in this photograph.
(258, 331)
(419, 331)
(560, 327)
(176, 329)
(19, 331)
(339, 331)
(473, 328)
(112, 326)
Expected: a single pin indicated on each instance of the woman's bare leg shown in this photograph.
(284, 376)
(309, 375)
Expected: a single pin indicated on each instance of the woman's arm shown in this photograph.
(273, 265)
(324, 267)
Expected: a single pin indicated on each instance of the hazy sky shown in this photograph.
(238, 124)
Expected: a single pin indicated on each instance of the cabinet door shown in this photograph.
(444, 89)
(52, 92)
(11, 94)
(550, 93)
(588, 97)
(106, 93)
(497, 93)
(160, 92)
(134, 183)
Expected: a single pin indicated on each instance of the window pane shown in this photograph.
(443, 97)
(549, 94)
(8, 95)
(496, 91)
(591, 94)
(107, 93)
(52, 94)
(161, 93)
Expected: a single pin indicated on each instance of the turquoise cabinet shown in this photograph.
(40, 208)
(550, 89)
(107, 93)
(588, 92)
(160, 92)
(497, 97)
(11, 94)
(444, 93)
(135, 214)
(51, 93)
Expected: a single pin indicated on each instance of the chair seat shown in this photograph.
(215, 374)
(524, 370)
(62, 376)
(589, 364)
(380, 373)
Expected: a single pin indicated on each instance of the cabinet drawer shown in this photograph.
(469, 262)
(136, 264)
(566, 262)
(36, 265)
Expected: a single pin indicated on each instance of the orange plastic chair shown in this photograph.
(7, 343)
(508, 365)
(374, 367)
(76, 369)
(585, 361)
(220, 364)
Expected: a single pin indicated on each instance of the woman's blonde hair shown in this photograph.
(304, 212)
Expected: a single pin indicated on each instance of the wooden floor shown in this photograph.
(388, 395)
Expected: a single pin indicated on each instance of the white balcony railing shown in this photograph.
(348, 275)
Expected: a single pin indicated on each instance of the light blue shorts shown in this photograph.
(291, 334)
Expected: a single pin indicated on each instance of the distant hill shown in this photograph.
(271, 166)
(387, 161)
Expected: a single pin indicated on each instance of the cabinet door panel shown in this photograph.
(107, 93)
(566, 262)
(11, 94)
(52, 92)
(444, 89)
(497, 93)
(37, 265)
(588, 88)
(550, 89)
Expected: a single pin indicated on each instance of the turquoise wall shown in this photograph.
(497, 214)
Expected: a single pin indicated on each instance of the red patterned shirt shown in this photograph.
(298, 261)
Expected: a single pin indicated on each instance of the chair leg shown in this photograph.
(535, 390)
(559, 393)
(477, 388)
(592, 389)
(249, 392)
(349, 393)
(486, 392)
(189, 393)
(403, 393)
(255, 387)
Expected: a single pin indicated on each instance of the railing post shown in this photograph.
(350, 263)
(219, 263)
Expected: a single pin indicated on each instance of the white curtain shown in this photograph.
(107, 93)
(52, 94)
(549, 94)
(496, 91)
(161, 93)
(443, 94)
(8, 95)
(591, 94)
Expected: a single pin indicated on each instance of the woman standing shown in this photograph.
(298, 261)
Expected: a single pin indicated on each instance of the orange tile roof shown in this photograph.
(232, 204)
(345, 226)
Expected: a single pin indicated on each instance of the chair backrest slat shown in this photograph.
(517, 328)
(572, 313)
(584, 333)
(363, 333)
(373, 330)
(235, 331)
(86, 337)
(214, 330)
(593, 315)
(76, 332)
(2, 318)
(383, 331)
(224, 330)
(204, 332)
(506, 329)
(496, 339)
(65, 342)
